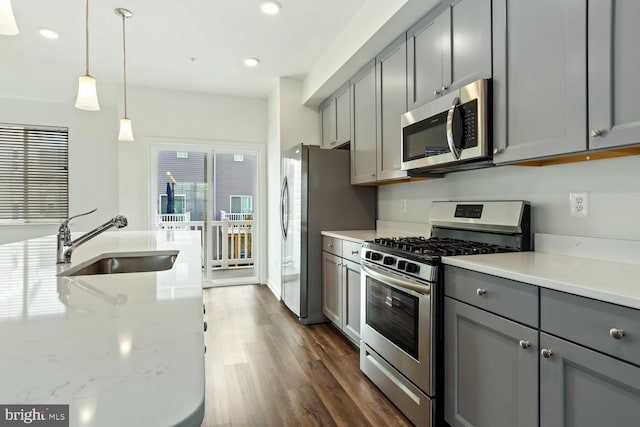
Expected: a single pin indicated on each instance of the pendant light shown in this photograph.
(8, 26)
(87, 93)
(126, 131)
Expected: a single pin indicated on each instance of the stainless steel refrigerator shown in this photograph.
(316, 195)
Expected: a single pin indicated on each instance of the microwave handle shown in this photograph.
(450, 115)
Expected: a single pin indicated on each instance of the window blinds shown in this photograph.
(34, 178)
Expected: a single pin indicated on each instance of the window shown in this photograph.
(34, 178)
(241, 204)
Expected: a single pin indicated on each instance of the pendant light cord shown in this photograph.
(86, 37)
(124, 65)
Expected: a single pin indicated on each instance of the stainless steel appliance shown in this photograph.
(450, 132)
(316, 195)
(402, 291)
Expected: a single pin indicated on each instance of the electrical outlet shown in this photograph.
(579, 203)
(403, 205)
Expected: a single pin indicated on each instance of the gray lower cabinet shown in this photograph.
(614, 62)
(332, 288)
(540, 89)
(579, 366)
(341, 285)
(580, 387)
(491, 369)
(363, 127)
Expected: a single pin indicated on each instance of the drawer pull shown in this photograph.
(546, 353)
(330, 245)
(524, 344)
(481, 291)
(205, 326)
(616, 333)
(354, 252)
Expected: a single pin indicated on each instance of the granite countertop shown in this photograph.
(120, 349)
(609, 281)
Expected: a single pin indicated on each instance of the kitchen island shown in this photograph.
(119, 349)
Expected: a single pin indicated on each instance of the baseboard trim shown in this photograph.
(276, 292)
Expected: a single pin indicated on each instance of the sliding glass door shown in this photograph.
(214, 190)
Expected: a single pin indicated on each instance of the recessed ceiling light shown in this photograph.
(270, 7)
(48, 34)
(251, 62)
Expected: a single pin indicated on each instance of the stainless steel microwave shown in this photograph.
(450, 132)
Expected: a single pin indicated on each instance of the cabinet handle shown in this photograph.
(354, 252)
(524, 344)
(333, 143)
(204, 309)
(616, 333)
(330, 245)
(338, 264)
(498, 151)
(481, 291)
(205, 326)
(596, 133)
(444, 89)
(546, 353)
(373, 175)
(437, 92)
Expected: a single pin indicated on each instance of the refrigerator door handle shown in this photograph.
(284, 208)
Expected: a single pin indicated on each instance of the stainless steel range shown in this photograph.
(403, 297)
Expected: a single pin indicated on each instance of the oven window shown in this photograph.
(394, 314)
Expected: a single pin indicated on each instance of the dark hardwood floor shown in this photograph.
(265, 369)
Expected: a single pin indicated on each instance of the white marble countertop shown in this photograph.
(357, 236)
(613, 282)
(120, 349)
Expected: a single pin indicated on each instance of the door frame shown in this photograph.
(209, 147)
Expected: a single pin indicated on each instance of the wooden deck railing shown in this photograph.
(232, 240)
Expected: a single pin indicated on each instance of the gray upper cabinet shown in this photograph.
(336, 119)
(429, 52)
(470, 42)
(491, 369)
(540, 77)
(391, 81)
(328, 113)
(614, 66)
(583, 388)
(450, 50)
(363, 128)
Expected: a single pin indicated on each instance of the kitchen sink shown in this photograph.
(124, 262)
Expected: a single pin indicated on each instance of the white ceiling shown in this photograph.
(161, 43)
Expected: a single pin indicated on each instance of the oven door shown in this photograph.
(397, 323)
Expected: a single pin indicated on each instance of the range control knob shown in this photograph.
(402, 265)
(367, 254)
(412, 268)
(389, 260)
(375, 256)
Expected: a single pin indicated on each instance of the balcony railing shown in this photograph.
(232, 240)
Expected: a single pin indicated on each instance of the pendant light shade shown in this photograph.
(126, 130)
(87, 93)
(8, 26)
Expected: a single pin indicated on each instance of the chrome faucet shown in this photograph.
(66, 246)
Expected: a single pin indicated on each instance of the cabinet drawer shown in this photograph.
(351, 251)
(513, 300)
(592, 323)
(332, 245)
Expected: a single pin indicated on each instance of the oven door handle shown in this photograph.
(422, 289)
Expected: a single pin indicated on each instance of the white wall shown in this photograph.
(612, 185)
(93, 160)
(290, 123)
(166, 116)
